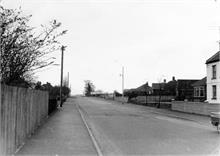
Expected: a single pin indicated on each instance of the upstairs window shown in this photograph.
(214, 72)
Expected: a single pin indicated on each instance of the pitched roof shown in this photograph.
(201, 82)
(158, 85)
(144, 88)
(214, 58)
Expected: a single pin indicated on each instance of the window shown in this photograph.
(195, 92)
(214, 92)
(199, 92)
(202, 92)
(214, 72)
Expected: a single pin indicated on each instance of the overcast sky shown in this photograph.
(152, 39)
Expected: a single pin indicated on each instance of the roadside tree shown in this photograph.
(89, 88)
(24, 49)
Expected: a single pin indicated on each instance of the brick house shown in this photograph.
(139, 91)
(199, 94)
(158, 88)
(184, 89)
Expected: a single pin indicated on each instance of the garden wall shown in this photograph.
(201, 108)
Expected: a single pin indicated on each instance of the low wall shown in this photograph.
(151, 99)
(201, 108)
(21, 112)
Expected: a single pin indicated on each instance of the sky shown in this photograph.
(152, 39)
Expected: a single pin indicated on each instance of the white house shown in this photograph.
(213, 78)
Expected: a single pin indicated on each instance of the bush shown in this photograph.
(54, 94)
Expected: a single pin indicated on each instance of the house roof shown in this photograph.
(158, 85)
(201, 82)
(214, 58)
(144, 88)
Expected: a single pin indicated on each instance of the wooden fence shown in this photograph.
(22, 111)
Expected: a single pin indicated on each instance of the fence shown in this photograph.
(22, 111)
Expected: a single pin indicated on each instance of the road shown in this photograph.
(122, 129)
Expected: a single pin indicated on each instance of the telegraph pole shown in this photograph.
(219, 37)
(68, 78)
(61, 76)
(122, 75)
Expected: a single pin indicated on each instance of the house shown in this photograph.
(158, 88)
(144, 89)
(184, 89)
(213, 78)
(199, 94)
(170, 87)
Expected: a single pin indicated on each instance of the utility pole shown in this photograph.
(219, 37)
(146, 91)
(68, 78)
(61, 75)
(122, 81)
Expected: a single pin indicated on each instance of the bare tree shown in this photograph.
(89, 87)
(25, 49)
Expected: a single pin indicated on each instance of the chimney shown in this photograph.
(174, 78)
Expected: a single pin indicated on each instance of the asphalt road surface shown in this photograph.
(120, 129)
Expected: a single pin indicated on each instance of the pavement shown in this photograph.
(64, 133)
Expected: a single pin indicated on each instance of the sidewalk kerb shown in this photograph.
(98, 150)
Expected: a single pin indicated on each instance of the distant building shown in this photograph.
(184, 89)
(144, 89)
(170, 87)
(158, 88)
(181, 89)
(213, 78)
(199, 94)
